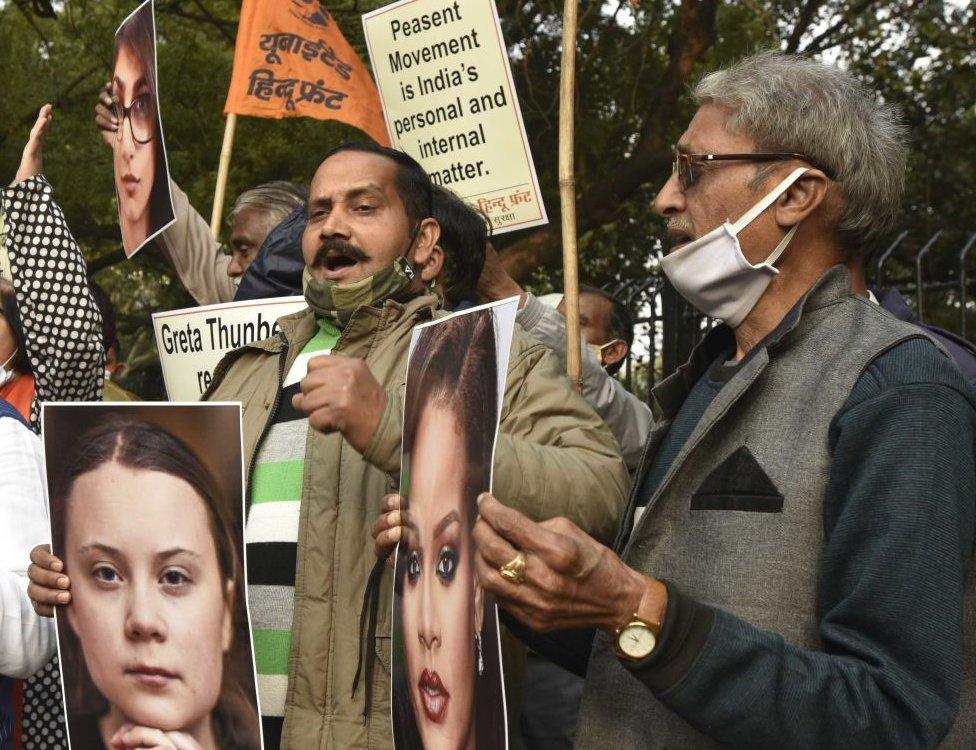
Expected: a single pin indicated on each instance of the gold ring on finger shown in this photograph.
(514, 570)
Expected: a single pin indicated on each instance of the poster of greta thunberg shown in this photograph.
(447, 690)
(147, 517)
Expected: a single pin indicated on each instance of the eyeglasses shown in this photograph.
(142, 118)
(688, 166)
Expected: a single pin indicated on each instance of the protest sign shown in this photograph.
(443, 75)
(446, 666)
(291, 60)
(192, 341)
(147, 514)
(139, 151)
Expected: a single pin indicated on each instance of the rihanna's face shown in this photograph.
(442, 605)
(149, 605)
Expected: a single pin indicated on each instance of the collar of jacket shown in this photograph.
(298, 328)
(830, 288)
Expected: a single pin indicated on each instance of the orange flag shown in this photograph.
(291, 60)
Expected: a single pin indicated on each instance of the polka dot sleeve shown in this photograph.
(62, 325)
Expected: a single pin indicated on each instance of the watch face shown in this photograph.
(636, 641)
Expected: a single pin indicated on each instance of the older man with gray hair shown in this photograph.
(794, 568)
(208, 273)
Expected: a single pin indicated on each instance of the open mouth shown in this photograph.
(433, 695)
(337, 259)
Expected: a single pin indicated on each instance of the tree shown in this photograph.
(635, 66)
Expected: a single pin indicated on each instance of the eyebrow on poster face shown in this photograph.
(140, 86)
(451, 517)
(115, 552)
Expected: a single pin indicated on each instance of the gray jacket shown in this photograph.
(628, 418)
(820, 572)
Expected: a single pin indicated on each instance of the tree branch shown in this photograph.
(60, 99)
(227, 28)
(692, 35)
(816, 43)
(807, 12)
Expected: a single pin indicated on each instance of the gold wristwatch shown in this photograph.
(637, 639)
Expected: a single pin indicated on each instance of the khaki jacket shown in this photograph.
(554, 458)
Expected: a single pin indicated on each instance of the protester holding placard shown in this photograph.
(26, 639)
(371, 249)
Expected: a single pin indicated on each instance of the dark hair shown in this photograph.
(464, 233)
(412, 182)
(137, 34)
(11, 313)
(457, 370)
(103, 302)
(621, 322)
(142, 445)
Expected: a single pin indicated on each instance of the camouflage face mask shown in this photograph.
(337, 302)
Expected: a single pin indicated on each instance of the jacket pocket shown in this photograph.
(738, 483)
(383, 648)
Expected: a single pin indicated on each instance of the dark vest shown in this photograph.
(762, 567)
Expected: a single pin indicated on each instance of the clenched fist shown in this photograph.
(340, 393)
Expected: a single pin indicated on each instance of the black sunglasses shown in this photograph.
(688, 166)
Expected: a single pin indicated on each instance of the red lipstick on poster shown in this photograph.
(433, 695)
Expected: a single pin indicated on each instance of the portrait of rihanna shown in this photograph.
(139, 153)
(447, 691)
(146, 515)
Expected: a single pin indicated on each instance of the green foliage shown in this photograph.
(916, 53)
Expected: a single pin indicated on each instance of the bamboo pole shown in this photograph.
(567, 194)
(222, 170)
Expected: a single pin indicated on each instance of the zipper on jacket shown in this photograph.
(268, 422)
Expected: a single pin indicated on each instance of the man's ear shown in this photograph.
(615, 352)
(428, 257)
(802, 198)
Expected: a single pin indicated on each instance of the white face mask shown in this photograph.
(7, 375)
(713, 274)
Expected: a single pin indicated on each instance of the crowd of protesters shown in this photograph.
(780, 555)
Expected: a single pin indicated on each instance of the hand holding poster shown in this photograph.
(291, 60)
(147, 518)
(447, 673)
(443, 74)
(192, 341)
(139, 151)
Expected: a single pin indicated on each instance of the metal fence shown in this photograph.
(667, 328)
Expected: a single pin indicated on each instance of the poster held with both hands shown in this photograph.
(147, 517)
(139, 158)
(447, 686)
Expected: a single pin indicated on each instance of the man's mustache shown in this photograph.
(340, 246)
(680, 226)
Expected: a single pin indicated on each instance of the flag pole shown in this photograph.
(567, 194)
(222, 170)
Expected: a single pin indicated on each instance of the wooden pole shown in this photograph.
(567, 194)
(222, 170)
